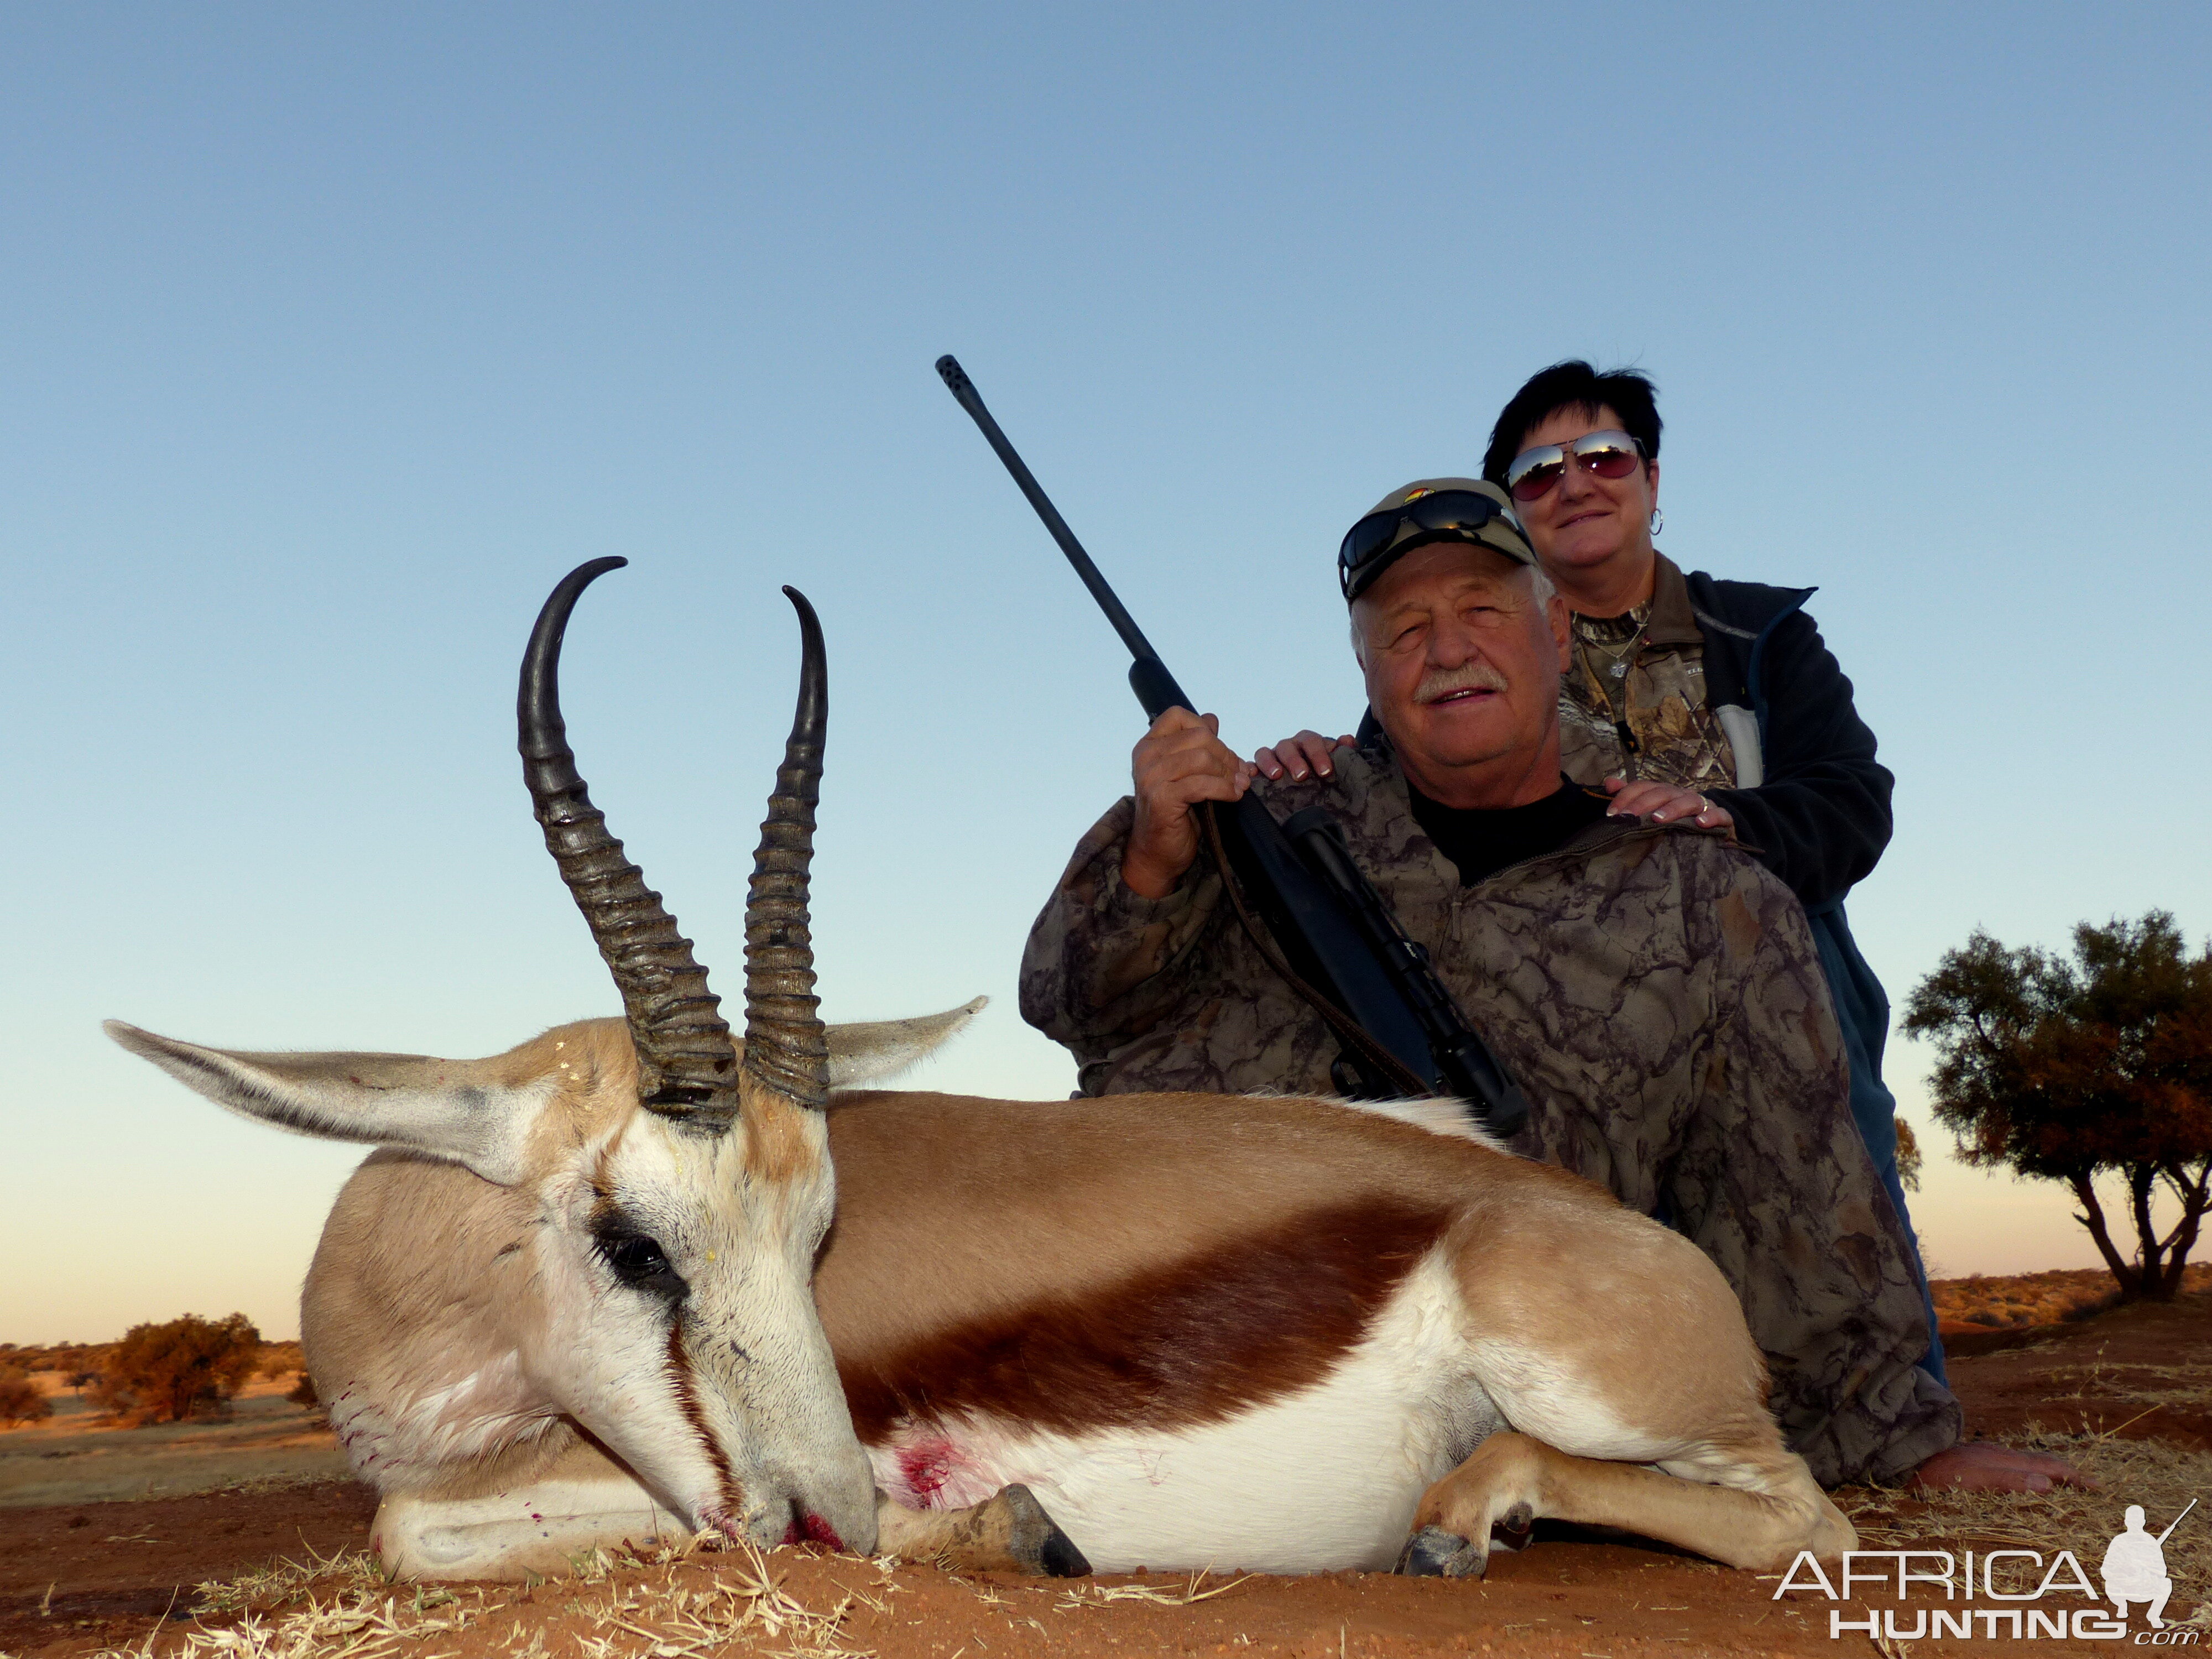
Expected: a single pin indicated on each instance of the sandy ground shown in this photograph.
(2128, 1394)
(72, 1458)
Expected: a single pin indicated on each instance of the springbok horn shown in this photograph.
(785, 1046)
(687, 1066)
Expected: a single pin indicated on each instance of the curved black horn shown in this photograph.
(686, 1063)
(785, 1047)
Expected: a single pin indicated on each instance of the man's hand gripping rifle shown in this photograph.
(1328, 932)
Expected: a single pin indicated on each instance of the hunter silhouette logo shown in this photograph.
(2135, 1566)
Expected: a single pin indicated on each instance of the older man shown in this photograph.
(1654, 989)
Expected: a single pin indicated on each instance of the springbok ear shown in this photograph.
(879, 1049)
(449, 1108)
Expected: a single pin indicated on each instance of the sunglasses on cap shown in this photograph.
(1607, 454)
(1439, 512)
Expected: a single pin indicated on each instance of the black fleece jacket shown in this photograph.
(1820, 816)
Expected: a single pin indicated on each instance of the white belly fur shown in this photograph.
(1321, 1480)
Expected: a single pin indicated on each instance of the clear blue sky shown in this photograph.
(334, 337)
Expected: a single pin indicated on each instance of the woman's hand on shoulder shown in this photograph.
(1299, 758)
(1662, 803)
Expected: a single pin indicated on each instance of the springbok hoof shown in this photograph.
(1433, 1553)
(1036, 1541)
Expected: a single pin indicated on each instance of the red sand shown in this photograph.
(76, 1577)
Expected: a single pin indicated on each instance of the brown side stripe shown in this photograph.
(687, 1400)
(1195, 1342)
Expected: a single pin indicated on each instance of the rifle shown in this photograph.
(2176, 1521)
(1333, 937)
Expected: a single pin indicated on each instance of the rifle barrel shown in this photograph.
(2176, 1521)
(957, 381)
(1322, 943)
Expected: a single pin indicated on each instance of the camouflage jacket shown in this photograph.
(1656, 993)
(1634, 703)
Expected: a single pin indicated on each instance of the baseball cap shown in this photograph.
(1428, 510)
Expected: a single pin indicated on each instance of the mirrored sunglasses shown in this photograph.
(1607, 454)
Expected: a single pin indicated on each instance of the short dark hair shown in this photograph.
(1573, 385)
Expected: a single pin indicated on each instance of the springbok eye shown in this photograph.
(640, 1263)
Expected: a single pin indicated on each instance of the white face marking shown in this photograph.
(710, 1376)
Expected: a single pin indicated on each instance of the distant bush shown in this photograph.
(165, 1373)
(2045, 1298)
(20, 1399)
(1908, 1156)
(303, 1392)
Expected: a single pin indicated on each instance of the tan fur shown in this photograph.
(592, 1062)
(1513, 1481)
(372, 1315)
(1075, 1198)
(781, 1139)
(1077, 1195)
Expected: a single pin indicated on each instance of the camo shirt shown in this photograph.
(1656, 994)
(1633, 704)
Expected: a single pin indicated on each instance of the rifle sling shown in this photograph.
(1349, 1032)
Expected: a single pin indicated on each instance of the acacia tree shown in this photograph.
(2063, 1069)
(168, 1369)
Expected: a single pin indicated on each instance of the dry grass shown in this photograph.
(1100, 1595)
(676, 1620)
(280, 1580)
(2155, 1473)
(621, 1604)
(342, 1607)
(351, 1625)
(2132, 1383)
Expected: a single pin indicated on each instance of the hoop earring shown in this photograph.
(1658, 521)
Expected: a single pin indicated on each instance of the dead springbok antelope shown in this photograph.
(566, 1302)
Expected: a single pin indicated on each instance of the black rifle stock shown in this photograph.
(1337, 935)
(1465, 1059)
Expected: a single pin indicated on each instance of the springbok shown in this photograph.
(566, 1302)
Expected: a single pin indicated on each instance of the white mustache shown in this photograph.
(1467, 676)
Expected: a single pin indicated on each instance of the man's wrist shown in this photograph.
(1147, 878)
